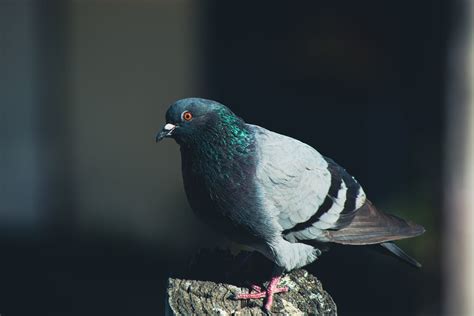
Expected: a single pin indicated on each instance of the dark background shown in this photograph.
(93, 217)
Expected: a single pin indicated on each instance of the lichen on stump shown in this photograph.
(214, 295)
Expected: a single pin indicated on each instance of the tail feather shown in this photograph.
(394, 249)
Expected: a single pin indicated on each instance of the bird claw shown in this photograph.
(255, 288)
(268, 293)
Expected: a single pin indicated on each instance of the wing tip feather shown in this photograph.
(371, 226)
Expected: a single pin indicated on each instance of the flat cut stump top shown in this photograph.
(189, 296)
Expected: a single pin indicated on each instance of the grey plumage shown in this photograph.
(272, 192)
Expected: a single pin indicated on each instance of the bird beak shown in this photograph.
(167, 131)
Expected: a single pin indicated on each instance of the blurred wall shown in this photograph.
(21, 175)
(458, 259)
(128, 63)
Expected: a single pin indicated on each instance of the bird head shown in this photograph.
(189, 119)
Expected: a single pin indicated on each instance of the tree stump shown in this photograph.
(218, 279)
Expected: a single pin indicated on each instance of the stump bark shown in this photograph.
(201, 296)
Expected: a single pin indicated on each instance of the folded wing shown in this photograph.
(313, 198)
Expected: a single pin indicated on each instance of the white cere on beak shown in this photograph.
(169, 127)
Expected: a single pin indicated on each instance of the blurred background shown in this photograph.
(93, 216)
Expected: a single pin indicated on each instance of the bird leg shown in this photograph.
(272, 289)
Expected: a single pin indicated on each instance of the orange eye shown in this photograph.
(187, 116)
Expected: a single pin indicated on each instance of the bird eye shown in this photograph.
(186, 116)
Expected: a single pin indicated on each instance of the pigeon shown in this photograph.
(273, 193)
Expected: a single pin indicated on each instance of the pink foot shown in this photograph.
(255, 288)
(271, 289)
